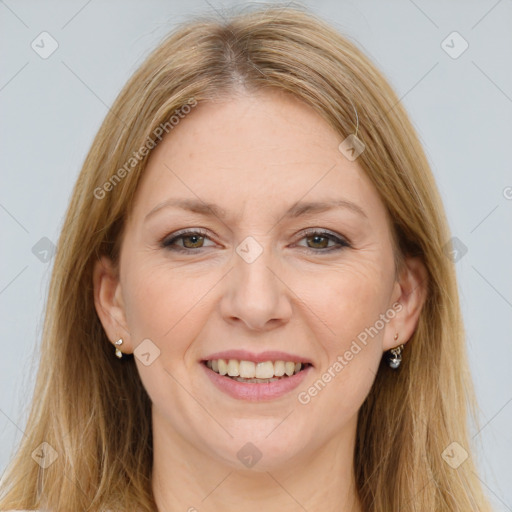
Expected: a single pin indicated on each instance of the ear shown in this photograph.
(410, 292)
(108, 300)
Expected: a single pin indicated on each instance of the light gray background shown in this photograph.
(462, 108)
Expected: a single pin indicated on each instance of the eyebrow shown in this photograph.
(297, 210)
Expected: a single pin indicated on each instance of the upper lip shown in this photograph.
(245, 355)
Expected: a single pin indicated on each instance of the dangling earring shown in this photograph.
(394, 358)
(119, 354)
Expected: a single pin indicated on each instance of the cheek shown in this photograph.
(352, 303)
(166, 305)
(340, 385)
(346, 300)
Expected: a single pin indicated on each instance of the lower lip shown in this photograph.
(254, 391)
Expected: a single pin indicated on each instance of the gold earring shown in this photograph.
(119, 342)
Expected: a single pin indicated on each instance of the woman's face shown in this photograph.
(267, 273)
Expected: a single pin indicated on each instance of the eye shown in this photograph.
(321, 239)
(191, 240)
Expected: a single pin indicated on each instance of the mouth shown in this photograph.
(256, 377)
(256, 372)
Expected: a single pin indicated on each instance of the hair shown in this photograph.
(93, 409)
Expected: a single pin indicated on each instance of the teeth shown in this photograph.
(223, 366)
(265, 370)
(289, 368)
(244, 371)
(248, 370)
(255, 381)
(279, 368)
(233, 368)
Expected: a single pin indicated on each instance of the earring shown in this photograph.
(119, 342)
(394, 358)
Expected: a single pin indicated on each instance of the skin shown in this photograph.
(255, 156)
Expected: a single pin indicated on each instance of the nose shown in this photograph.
(256, 293)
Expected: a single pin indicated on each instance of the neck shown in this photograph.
(186, 478)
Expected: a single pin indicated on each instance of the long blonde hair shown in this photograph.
(93, 409)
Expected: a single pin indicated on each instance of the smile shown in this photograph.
(255, 372)
(255, 381)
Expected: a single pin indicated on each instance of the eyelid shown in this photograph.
(182, 233)
(325, 232)
(341, 241)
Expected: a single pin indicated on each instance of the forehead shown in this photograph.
(260, 152)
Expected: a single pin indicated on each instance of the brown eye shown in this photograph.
(190, 240)
(318, 241)
(194, 240)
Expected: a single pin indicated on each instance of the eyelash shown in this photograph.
(167, 242)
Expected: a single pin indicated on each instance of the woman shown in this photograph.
(257, 236)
